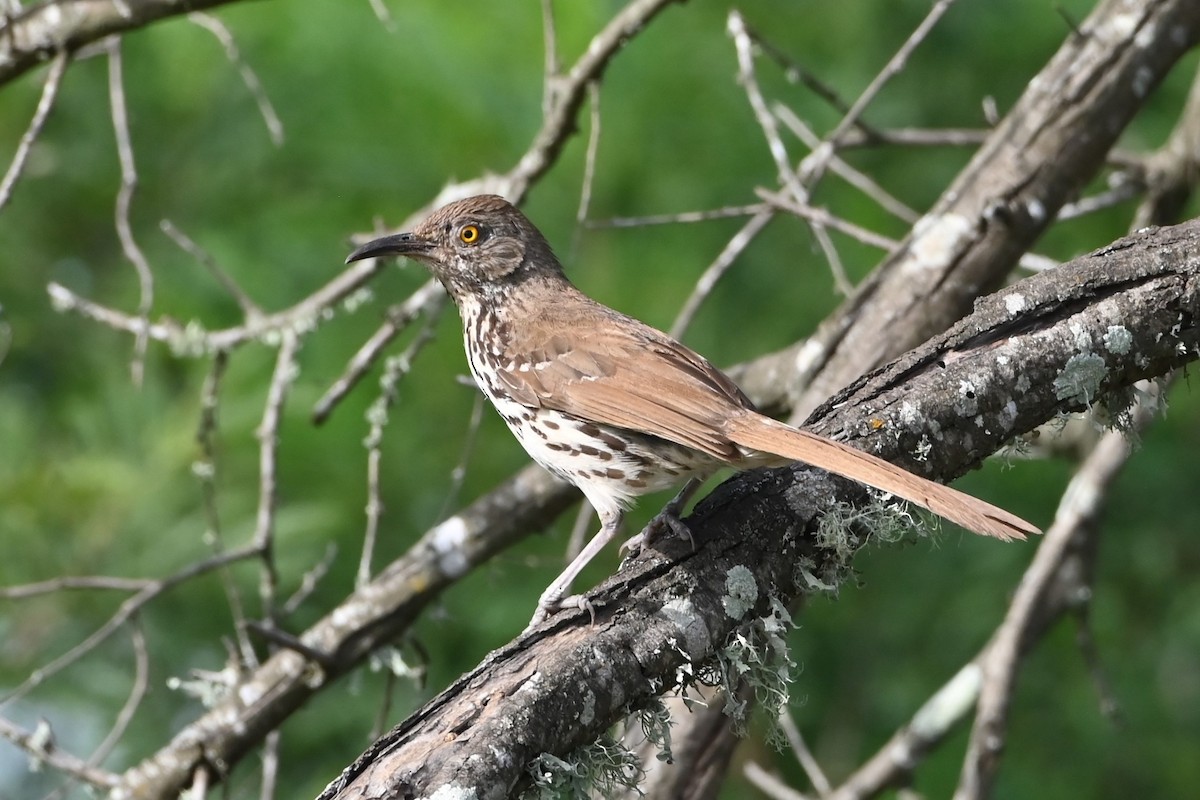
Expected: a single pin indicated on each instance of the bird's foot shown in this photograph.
(549, 605)
(555, 597)
(666, 520)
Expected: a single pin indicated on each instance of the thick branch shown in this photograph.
(1052, 142)
(41, 30)
(1040, 348)
(372, 616)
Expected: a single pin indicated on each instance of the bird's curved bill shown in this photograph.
(398, 244)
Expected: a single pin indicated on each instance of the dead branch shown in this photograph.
(1052, 142)
(44, 29)
(565, 683)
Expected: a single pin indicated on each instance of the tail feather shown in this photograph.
(764, 434)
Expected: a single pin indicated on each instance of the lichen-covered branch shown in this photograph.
(1131, 310)
(1048, 146)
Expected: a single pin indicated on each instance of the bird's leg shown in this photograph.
(669, 517)
(555, 597)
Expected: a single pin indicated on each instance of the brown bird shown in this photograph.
(606, 402)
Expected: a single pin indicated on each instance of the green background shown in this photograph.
(95, 476)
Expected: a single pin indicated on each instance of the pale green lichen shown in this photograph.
(1080, 378)
(1118, 340)
(206, 686)
(355, 300)
(844, 528)
(757, 655)
(966, 404)
(655, 722)
(741, 592)
(805, 576)
(453, 791)
(189, 342)
(391, 659)
(40, 744)
(204, 469)
(587, 714)
(1082, 336)
(604, 767)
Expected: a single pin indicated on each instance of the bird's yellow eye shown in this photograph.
(469, 234)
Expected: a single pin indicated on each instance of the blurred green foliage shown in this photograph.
(96, 476)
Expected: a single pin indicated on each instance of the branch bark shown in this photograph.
(47, 28)
(1050, 344)
(1048, 146)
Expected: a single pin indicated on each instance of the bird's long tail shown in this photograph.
(766, 435)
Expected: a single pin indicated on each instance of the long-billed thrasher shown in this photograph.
(606, 402)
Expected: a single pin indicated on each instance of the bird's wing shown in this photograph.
(628, 375)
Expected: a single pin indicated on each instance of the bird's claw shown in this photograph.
(667, 519)
(548, 606)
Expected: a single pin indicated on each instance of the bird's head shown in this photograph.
(473, 245)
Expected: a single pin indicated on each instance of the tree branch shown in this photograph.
(1051, 143)
(46, 28)
(1050, 344)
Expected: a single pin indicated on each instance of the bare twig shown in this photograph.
(309, 581)
(185, 243)
(893, 67)
(580, 529)
(198, 789)
(398, 319)
(397, 367)
(45, 105)
(804, 756)
(795, 73)
(72, 582)
(720, 265)
(682, 217)
(383, 14)
(589, 167)
(268, 468)
(40, 747)
(129, 179)
(894, 763)
(744, 47)
(124, 612)
(249, 78)
(804, 211)
(205, 470)
(194, 340)
(551, 64)
(1121, 193)
(459, 474)
(913, 137)
(769, 784)
(141, 682)
(270, 765)
(840, 279)
(558, 124)
(593, 145)
(385, 706)
(852, 176)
